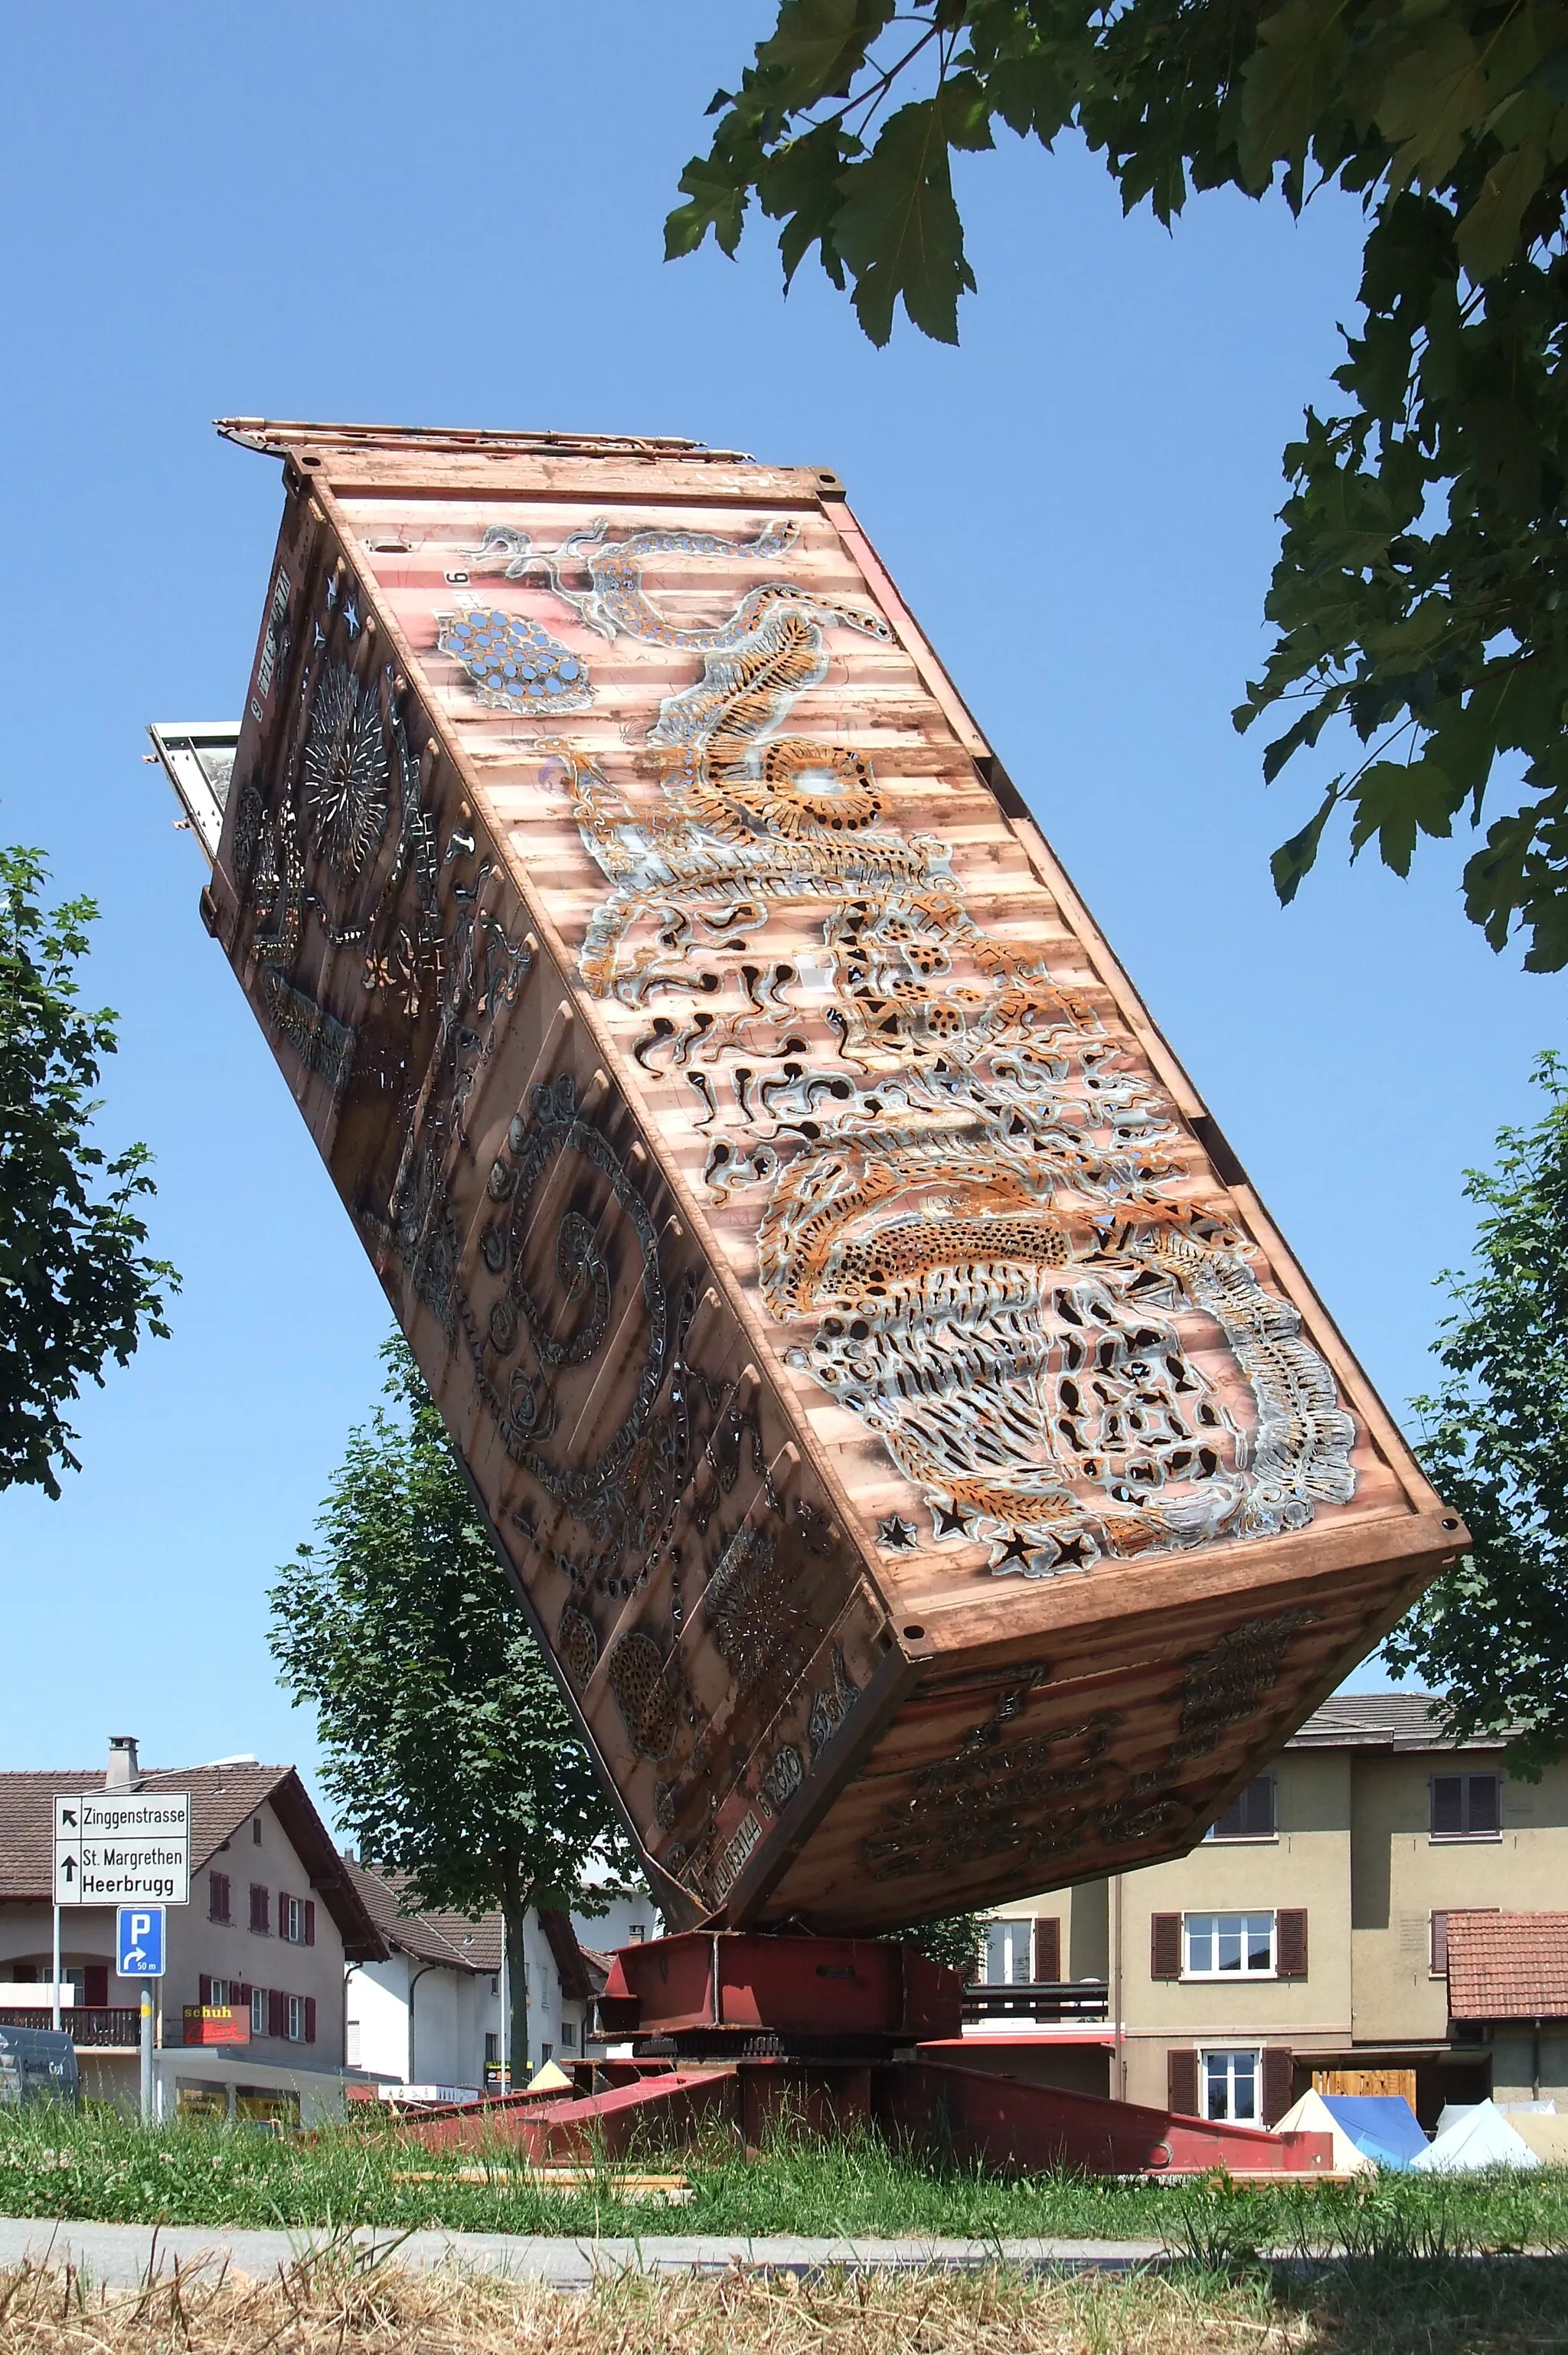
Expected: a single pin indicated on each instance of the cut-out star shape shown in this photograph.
(896, 1533)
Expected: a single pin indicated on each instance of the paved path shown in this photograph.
(120, 2255)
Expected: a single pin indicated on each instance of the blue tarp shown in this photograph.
(1383, 2126)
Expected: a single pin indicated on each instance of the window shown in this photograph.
(492, 2049)
(636, 1933)
(256, 1830)
(258, 2012)
(547, 2053)
(296, 1920)
(222, 1991)
(1009, 1952)
(351, 2043)
(1228, 2085)
(569, 2036)
(1439, 1958)
(1251, 1814)
(296, 2019)
(217, 1897)
(1467, 1807)
(1219, 1946)
(261, 1910)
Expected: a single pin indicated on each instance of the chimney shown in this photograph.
(125, 1773)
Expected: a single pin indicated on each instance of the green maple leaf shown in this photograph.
(816, 46)
(898, 228)
(1394, 801)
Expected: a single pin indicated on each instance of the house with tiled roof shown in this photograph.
(1379, 1911)
(274, 1919)
(428, 2017)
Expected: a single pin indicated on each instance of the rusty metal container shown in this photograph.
(930, 1473)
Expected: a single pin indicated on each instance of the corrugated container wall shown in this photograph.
(932, 1476)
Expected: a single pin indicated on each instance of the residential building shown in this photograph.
(1307, 1936)
(272, 1922)
(431, 2012)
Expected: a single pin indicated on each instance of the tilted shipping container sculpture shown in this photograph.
(932, 1476)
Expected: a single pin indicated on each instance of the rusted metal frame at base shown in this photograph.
(861, 2034)
(968, 2116)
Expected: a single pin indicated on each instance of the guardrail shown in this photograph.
(1046, 2002)
(113, 2027)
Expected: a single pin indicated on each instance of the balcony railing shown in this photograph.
(1049, 2003)
(113, 2027)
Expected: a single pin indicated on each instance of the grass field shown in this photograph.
(335, 2306)
(97, 2165)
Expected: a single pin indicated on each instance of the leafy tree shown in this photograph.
(449, 1753)
(953, 1939)
(1494, 1630)
(75, 1286)
(1421, 594)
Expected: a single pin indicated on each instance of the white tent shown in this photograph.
(1477, 2138)
(1311, 2115)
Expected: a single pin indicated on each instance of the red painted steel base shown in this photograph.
(752, 2034)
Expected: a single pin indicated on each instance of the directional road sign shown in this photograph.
(123, 1847)
(139, 1942)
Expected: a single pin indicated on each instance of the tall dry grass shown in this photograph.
(341, 2303)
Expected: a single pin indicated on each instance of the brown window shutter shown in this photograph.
(204, 1990)
(95, 1985)
(310, 1921)
(1047, 1946)
(277, 2012)
(1290, 1945)
(1439, 1959)
(282, 1913)
(260, 1909)
(1180, 2070)
(1165, 1948)
(1279, 2069)
(310, 2019)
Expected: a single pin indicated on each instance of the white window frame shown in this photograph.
(294, 2028)
(999, 1946)
(1189, 1922)
(225, 1991)
(290, 1920)
(1230, 2053)
(258, 2012)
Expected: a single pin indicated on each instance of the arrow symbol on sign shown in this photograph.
(68, 1869)
(66, 1817)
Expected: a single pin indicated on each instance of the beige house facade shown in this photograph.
(1306, 1936)
(273, 1920)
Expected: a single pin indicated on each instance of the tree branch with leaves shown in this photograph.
(77, 1286)
(1493, 1632)
(449, 1754)
(1420, 595)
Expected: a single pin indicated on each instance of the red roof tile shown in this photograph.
(1507, 1966)
(431, 1934)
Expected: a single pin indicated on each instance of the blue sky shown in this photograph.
(448, 216)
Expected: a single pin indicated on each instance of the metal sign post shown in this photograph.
(140, 1947)
(129, 1848)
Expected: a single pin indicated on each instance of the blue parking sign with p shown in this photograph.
(140, 1942)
